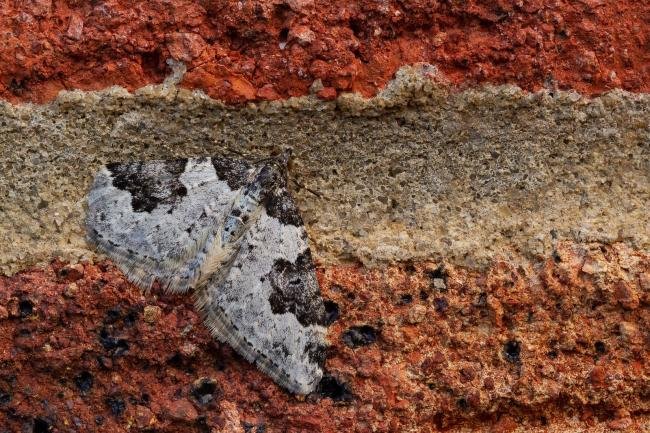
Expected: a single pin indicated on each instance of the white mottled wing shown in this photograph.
(267, 305)
(158, 219)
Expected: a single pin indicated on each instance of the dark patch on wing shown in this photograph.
(295, 290)
(150, 183)
(280, 205)
(234, 172)
(317, 353)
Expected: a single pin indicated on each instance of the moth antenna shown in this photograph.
(235, 152)
(301, 186)
(283, 157)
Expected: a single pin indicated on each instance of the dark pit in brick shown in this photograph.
(440, 304)
(25, 308)
(131, 318)
(512, 351)
(438, 278)
(331, 312)
(116, 405)
(481, 301)
(113, 315)
(357, 336)
(118, 346)
(202, 425)
(176, 360)
(253, 428)
(331, 387)
(41, 425)
(5, 397)
(84, 381)
(205, 390)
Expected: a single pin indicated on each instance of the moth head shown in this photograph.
(283, 157)
(273, 173)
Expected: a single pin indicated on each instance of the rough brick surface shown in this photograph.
(559, 344)
(241, 51)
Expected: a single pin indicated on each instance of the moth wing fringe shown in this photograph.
(222, 329)
(137, 270)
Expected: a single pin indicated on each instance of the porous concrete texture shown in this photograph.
(417, 172)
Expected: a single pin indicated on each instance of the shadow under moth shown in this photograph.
(229, 231)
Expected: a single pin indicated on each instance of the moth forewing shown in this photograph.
(230, 231)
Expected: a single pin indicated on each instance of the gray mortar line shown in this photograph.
(417, 172)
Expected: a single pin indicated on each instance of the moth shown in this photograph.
(230, 232)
